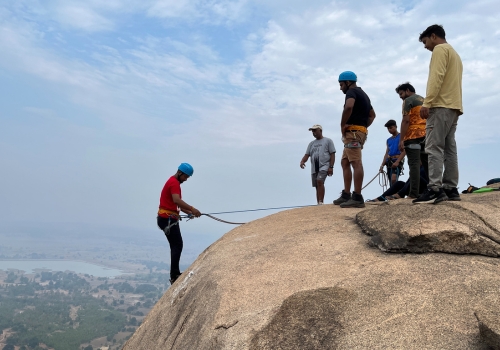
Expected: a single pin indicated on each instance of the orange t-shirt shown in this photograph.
(411, 108)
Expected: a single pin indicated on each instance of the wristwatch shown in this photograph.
(331, 167)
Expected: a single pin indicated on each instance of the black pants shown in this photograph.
(416, 158)
(398, 187)
(175, 240)
(403, 189)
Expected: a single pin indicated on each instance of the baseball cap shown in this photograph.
(316, 126)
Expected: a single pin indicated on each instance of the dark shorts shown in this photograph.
(392, 170)
(321, 176)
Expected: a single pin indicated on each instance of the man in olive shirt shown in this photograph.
(441, 108)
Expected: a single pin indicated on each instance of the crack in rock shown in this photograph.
(227, 325)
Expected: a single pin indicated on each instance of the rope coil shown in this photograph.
(382, 180)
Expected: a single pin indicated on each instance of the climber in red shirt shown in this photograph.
(171, 204)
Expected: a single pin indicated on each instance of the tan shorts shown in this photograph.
(353, 154)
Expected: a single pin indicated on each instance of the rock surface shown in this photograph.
(309, 279)
(452, 227)
(489, 328)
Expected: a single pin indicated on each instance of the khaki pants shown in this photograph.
(441, 148)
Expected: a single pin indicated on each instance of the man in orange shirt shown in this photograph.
(171, 204)
(412, 139)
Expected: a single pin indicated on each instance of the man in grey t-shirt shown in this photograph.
(322, 153)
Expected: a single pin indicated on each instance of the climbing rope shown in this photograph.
(382, 181)
(210, 215)
(224, 221)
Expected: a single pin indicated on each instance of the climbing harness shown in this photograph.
(353, 144)
(169, 225)
(414, 146)
(399, 170)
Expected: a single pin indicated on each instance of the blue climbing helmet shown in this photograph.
(347, 76)
(186, 168)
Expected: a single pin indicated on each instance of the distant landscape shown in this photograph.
(63, 310)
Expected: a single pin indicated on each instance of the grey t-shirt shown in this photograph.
(319, 151)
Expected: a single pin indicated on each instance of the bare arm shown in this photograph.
(401, 156)
(304, 160)
(372, 116)
(383, 160)
(332, 163)
(346, 113)
(186, 208)
(405, 123)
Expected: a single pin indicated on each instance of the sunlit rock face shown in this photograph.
(323, 277)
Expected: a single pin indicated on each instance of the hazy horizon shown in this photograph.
(101, 101)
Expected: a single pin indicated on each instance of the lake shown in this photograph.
(29, 266)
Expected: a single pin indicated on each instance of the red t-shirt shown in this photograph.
(172, 186)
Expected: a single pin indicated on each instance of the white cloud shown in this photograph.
(82, 17)
(221, 96)
(213, 11)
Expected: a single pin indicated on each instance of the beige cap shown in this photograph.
(316, 126)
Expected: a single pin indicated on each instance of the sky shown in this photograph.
(102, 100)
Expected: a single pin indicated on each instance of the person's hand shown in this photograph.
(381, 169)
(329, 172)
(302, 165)
(401, 146)
(195, 212)
(395, 164)
(424, 112)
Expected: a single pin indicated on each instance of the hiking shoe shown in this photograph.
(427, 196)
(174, 278)
(452, 194)
(356, 201)
(344, 197)
(441, 197)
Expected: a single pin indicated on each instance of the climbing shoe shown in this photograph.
(356, 201)
(428, 196)
(344, 197)
(452, 194)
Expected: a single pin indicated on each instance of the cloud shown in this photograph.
(113, 95)
(82, 17)
(287, 77)
(212, 12)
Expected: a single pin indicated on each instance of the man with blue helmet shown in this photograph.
(171, 204)
(357, 116)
